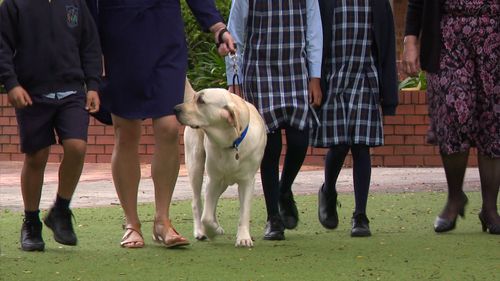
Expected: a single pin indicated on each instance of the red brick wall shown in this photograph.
(404, 138)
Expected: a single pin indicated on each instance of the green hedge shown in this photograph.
(206, 68)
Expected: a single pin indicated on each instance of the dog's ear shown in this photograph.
(189, 92)
(233, 117)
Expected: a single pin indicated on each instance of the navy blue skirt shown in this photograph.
(145, 55)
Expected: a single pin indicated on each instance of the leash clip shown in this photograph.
(236, 77)
(234, 59)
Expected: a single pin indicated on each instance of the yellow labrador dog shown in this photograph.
(225, 135)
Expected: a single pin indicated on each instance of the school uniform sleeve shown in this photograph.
(238, 17)
(388, 74)
(90, 51)
(92, 5)
(414, 17)
(205, 12)
(8, 19)
(314, 39)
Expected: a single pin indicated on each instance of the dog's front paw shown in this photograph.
(244, 242)
(213, 229)
(199, 232)
(200, 237)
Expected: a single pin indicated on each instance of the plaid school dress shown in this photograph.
(351, 113)
(275, 63)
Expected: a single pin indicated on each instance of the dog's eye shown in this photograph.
(200, 101)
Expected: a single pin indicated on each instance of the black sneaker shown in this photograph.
(59, 221)
(275, 230)
(360, 225)
(288, 210)
(31, 236)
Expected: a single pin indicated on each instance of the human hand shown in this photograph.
(411, 60)
(226, 43)
(93, 102)
(19, 98)
(223, 39)
(315, 94)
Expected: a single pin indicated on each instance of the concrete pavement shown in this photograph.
(96, 184)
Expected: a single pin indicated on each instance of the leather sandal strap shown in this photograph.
(131, 226)
(129, 232)
(174, 230)
(131, 229)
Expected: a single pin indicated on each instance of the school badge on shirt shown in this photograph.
(72, 16)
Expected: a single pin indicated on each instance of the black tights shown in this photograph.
(297, 143)
(361, 171)
(455, 166)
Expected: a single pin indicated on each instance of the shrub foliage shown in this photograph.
(206, 68)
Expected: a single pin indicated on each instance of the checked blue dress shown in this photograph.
(351, 113)
(275, 63)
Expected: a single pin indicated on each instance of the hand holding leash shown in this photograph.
(223, 39)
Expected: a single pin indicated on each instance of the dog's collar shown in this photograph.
(238, 141)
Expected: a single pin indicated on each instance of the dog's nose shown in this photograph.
(177, 109)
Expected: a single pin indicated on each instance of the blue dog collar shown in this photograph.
(238, 141)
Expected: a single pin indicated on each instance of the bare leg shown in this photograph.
(59, 217)
(489, 172)
(125, 166)
(32, 176)
(71, 167)
(164, 170)
(165, 164)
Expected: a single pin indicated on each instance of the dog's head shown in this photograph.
(212, 108)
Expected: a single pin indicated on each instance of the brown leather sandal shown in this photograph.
(164, 233)
(132, 238)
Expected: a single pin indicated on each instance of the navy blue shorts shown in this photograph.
(40, 122)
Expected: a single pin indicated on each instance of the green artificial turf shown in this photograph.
(403, 246)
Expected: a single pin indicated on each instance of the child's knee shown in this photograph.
(38, 159)
(75, 147)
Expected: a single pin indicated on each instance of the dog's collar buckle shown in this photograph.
(238, 141)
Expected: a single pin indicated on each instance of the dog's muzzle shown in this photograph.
(178, 115)
(177, 110)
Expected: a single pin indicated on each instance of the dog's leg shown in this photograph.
(245, 193)
(212, 194)
(195, 163)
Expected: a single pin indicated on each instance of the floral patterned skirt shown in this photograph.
(464, 95)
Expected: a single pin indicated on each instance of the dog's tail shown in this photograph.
(188, 91)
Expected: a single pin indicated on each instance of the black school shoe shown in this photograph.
(360, 225)
(275, 230)
(288, 210)
(327, 208)
(31, 236)
(59, 221)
